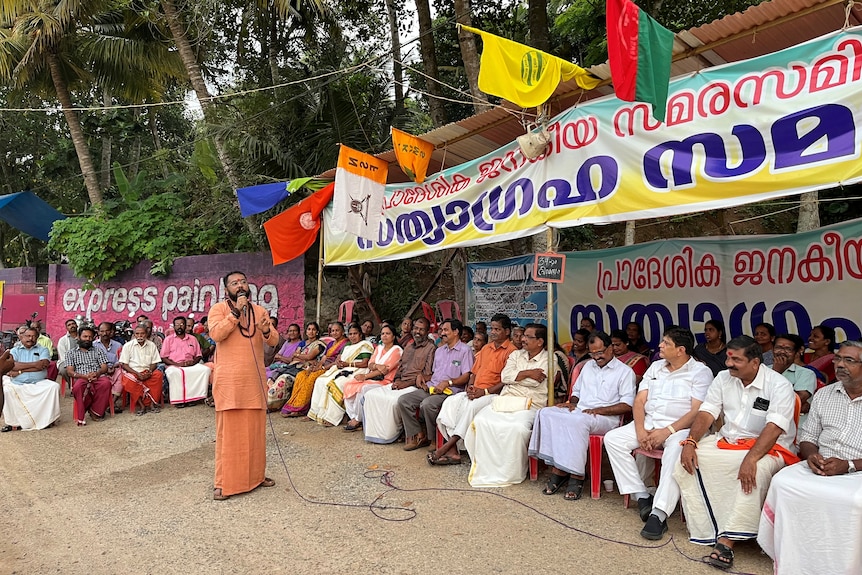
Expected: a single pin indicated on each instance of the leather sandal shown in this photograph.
(217, 495)
(721, 556)
(555, 483)
(267, 482)
(574, 489)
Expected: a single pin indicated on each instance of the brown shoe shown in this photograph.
(416, 442)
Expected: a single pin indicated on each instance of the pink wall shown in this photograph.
(194, 285)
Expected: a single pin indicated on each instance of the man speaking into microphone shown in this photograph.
(239, 329)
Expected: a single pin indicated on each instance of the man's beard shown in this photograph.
(180, 332)
(85, 344)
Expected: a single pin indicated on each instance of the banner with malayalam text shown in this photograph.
(776, 125)
(794, 282)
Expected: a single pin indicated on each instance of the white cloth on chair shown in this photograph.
(31, 406)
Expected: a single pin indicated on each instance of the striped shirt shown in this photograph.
(834, 423)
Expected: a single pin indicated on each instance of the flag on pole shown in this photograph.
(294, 230)
(360, 183)
(521, 74)
(413, 154)
(257, 199)
(639, 52)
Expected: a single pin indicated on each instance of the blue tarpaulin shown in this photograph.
(25, 211)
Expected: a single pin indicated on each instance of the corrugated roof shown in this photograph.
(762, 29)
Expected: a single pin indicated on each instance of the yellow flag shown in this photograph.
(523, 75)
(413, 154)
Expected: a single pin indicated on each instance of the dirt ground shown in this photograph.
(133, 495)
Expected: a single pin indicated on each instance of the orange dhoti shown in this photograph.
(135, 388)
(240, 458)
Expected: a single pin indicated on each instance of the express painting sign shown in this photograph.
(194, 285)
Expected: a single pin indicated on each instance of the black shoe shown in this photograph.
(6, 429)
(645, 507)
(654, 528)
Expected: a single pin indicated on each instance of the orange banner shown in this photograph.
(413, 154)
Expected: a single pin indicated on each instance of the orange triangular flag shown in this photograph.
(413, 154)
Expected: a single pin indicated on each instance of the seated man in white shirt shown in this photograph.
(603, 392)
(812, 518)
(497, 440)
(67, 343)
(670, 394)
(187, 376)
(31, 400)
(724, 477)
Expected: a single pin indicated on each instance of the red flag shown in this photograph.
(294, 230)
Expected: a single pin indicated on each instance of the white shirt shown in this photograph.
(747, 409)
(602, 387)
(140, 357)
(670, 392)
(66, 344)
(519, 361)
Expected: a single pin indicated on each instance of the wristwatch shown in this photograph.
(851, 466)
(450, 383)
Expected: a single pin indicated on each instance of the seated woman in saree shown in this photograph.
(303, 384)
(821, 342)
(638, 362)
(380, 371)
(327, 399)
(713, 352)
(293, 357)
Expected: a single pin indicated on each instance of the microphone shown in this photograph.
(242, 293)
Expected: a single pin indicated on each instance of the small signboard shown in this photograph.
(549, 267)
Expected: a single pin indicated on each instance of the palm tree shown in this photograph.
(50, 48)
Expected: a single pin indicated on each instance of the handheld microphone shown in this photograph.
(242, 293)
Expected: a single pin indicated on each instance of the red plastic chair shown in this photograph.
(448, 309)
(345, 311)
(428, 312)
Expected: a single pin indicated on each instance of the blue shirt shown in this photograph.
(24, 355)
(451, 363)
(112, 351)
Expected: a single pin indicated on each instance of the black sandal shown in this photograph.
(721, 557)
(555, 483)
(574, 489)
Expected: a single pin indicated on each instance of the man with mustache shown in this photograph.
(812, 518)
(141, 379)
(724, 477)
(32, 401)
(187, 376)
(240, 329)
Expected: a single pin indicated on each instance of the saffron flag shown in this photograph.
(294, 230)
(360, 183)
(413, 154)
(639, 52)
(521, 74)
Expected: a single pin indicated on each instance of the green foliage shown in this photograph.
(397, 288)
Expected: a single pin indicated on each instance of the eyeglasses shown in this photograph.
(597, 354)
(784, 348)
(237, 283)
(530, 337)
(848, 361)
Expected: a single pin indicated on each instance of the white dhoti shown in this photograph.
(561, 438)
(31, 406)
(353, 405)
(712, 498)
(187, 383)
(327, 398)
(812, 524)
(620, 442)
(381, 421)
(497, 444)
(458, 412)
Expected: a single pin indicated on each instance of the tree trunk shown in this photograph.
(85, 159)
(809, 212)
(134, 160)
(458, 268)
(187, 55)
(181, 40)
(157, 142)
(630, 233)
(537, 16)
(272, 49)
(105, 164)
(470, 56)
(397, 69)
(429, 62)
